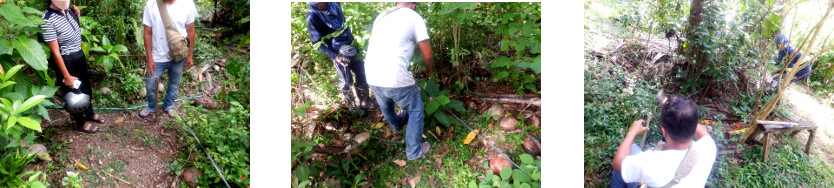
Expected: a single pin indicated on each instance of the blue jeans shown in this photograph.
(174, 74)
(408, 99)
(357, 67)
(617, 178)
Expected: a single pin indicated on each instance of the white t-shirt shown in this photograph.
(657, 168)
(182, 12)
(390, 47)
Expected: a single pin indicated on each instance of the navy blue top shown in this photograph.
(787, 52)
(321, 23)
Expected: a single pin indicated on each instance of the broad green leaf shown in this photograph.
(37, 184)
(537, 65)
(501, 62)
(6, 47)
(86, 48)
(527, 159)
(32, 10)
(43, 113)
(98, 49)
(32, 101)
(443, 118)
(443, 100)
(105, 41)
(31, 52)
(431, 89)
(12, 71)
(506, 172)
(6, 84)
(13, 15)
(522, 64)
(432, 107)
(29, 123)
(500, 75)
(107, 62)
(519, 176)
(119, 48)
(11, 122)
(536, 176)
(525, 185)
(107, 48)
(13, 142)
(457, 105)
(472, 184)
(15, 96)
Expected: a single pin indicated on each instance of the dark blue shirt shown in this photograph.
(787, 52)
(321, 23)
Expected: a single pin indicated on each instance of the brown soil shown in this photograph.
(135, 150)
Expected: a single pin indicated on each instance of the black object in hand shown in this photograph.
(347, 54)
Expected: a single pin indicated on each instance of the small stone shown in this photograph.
(191, 175)
(532, 146)
(40, 151)
(216, 68)
(143, 92)
(160, 87)
(496, 111)
(362, 137)
(497, 163)
(534, 121)
(508, 123)
(105, 91)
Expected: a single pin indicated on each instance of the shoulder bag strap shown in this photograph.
(685, 167)
(163, 11)
(386, 12)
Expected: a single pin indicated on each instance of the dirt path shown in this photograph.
(808, 108)
(134, 149)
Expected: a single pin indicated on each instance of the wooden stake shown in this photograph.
(648, 120)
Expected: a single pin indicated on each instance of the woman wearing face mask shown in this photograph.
(63, 37)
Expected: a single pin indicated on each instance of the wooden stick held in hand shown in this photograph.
(648, 120)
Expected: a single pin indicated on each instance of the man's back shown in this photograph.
(391, 46)
(657, 168)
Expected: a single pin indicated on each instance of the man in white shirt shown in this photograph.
(392, 42)
(182, 14)
(679, 124)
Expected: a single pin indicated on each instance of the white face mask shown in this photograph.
(62, 4)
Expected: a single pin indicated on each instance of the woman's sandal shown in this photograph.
(91, 128)
(98, 119)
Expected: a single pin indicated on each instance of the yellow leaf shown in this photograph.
(377, 125)
(81, 166)
(399, 162)
(424, 135)
(437, 129)
(490, 125)
(470, 137)
(120, 120)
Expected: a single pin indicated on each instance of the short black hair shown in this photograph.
(679, 116)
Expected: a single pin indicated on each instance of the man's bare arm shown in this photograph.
(625, 147)
(148, 37)
(428, 59)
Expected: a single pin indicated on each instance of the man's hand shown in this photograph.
(189, 61)
(426, 73)
(69, 80)
(77, 12)
(637, 127)
(340, 62)
(150, 67)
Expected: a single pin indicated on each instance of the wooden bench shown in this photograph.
(769, 127)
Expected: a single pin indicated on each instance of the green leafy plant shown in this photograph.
(230, 150)
(434, 106)
(110, 54)
(509, 177)
(72, 180)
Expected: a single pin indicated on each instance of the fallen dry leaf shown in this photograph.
(137, 148)
(437, 129)
(400, 162)
(424, 135)
(378, 125)
(490, 125)
(414, 181)
(81, 166)
(470, 137)
(431, 180)
(439, 162)
(120, 120)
